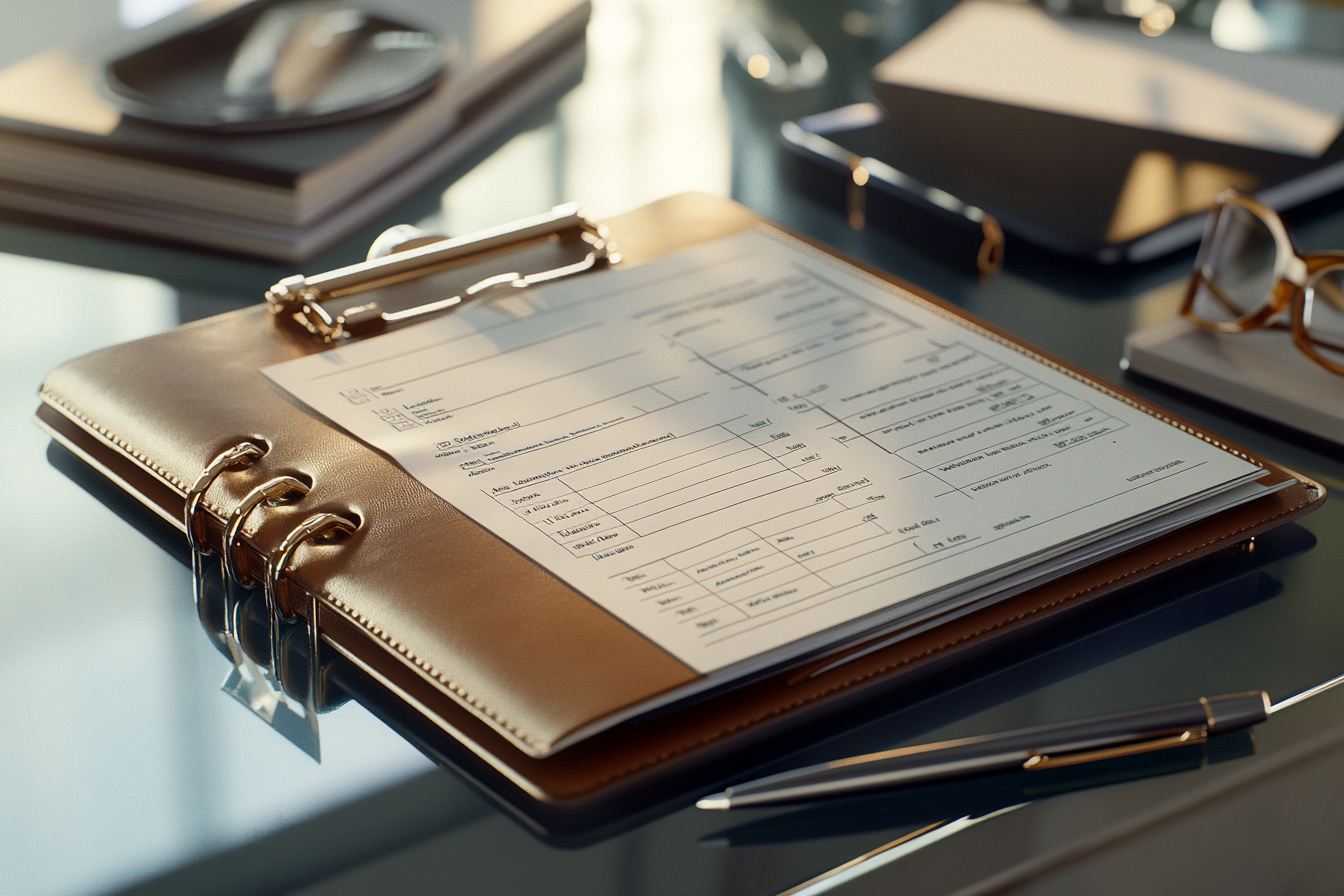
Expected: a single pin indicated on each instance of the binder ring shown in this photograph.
(315, 527)
(242, 455)
(278, 492)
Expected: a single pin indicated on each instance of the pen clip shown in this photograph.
(1038, 761)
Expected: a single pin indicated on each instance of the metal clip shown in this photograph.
(400, 255)
(1039, 761)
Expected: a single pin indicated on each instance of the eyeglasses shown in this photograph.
(1249, 275)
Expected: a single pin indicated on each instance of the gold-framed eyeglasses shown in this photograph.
(1249, 275)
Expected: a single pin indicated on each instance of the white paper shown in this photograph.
(748, 447)
(1179, 82)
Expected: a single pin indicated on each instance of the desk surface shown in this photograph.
(124, 769)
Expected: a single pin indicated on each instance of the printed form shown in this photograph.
(749, 444)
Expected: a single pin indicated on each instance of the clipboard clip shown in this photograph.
(560, 243)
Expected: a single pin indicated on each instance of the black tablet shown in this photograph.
(1081, 187)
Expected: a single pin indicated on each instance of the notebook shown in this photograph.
(1260, 372)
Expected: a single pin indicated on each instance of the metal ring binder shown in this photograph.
(392, 260)
(240, 456)
(315, 527)
(259, 687)
(244, 454)
(278, 492)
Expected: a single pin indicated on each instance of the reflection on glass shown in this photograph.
(517, 181)
(1160, 189)
(1238, 25)
(121, 757)
(251, 684)
(773, 48)
(649, 120)
(139, 13)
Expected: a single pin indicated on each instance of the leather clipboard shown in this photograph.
(470, 638)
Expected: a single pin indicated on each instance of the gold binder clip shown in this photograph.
(320, 528)
(400, 261)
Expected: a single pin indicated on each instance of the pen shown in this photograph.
(913, 807)
(1030, 749)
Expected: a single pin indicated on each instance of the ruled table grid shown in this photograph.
(672, 482)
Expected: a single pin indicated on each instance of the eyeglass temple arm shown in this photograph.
(1319, 261)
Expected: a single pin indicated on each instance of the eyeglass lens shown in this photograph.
(1237, 261)
(1324, 315)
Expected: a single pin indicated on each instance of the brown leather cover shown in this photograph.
(468, 632)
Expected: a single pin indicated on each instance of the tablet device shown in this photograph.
(1080, 187)
(1099, 137)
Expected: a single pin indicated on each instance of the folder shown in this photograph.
(466, 634)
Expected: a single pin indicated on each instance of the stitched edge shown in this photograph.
(125, 447)
(838, 686)
(428, 669)
(97, 428)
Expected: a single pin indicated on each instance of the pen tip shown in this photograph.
(714, 801)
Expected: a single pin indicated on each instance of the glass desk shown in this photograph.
(124, 769)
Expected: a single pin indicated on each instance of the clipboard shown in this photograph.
(464, 635)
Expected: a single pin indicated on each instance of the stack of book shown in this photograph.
(68, 152)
